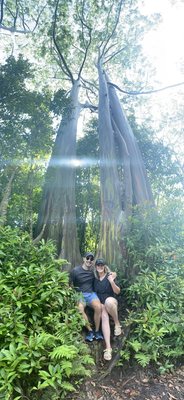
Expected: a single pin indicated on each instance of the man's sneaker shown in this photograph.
(90, 336)
(98, 335)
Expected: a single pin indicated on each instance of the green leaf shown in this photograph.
(64, 351)
(68, 386)
(135, 345)
(143, 359)
(44, 374)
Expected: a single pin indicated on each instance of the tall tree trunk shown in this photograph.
(30, 186)
(110, 184)
(124, 181)
(57, 216)
(137, 190)
(141, 188)
(124, 160)
(5, 199)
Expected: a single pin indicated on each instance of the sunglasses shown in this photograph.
(100, 265)
(89, 258)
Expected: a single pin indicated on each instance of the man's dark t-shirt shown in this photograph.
(103, 289)
(82, 279)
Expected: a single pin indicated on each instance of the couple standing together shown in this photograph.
(98, 289)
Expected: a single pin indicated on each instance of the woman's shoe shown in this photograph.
(107, 354)
(117, 330)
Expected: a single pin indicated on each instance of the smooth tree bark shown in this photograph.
(109, 180)
(123, 177)
(5, 199)
(123, 158)
(141, 189)
(57, 217)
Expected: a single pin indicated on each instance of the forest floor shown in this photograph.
(133, 383)
(128, 382)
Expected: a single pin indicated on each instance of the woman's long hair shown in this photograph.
(106, 270)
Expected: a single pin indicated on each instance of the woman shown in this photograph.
(107, 289)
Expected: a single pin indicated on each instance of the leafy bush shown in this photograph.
(40, 343)
(156, 294)
(157, 318)
(154, 234)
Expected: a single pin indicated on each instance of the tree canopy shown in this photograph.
(73, 48)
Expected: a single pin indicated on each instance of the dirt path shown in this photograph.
(134, 383)
(126, 382)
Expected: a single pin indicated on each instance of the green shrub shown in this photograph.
(154, 234)
(155, 292)
(157, 319)
(40, 342)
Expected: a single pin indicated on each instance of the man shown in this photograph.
(82, 278)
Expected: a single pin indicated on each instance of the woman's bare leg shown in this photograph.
(111, 306)
(106, 327)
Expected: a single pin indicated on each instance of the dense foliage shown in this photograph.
(41, 346)
(25, 139)
(156, 294)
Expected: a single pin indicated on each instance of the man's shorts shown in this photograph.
(88, 297)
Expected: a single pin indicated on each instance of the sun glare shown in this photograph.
(76, 162)
(164, 46)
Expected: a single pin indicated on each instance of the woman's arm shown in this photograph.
(111, 276)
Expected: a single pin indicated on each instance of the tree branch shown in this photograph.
(89, 105)
(110, 47)
(87, 47)
(114, 54)
(16, 15)
(37, 19)
(115, 26)
(2, 11)
(65, 66)
(85, 84)
(135, 93)
(13, 30)
(61, 66)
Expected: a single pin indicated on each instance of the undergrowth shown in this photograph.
(41, 348)
(155, 290)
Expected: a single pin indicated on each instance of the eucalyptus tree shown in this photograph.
(124, 181)
(57, 216)
(75, 49)
(75, 52)
(72, 33)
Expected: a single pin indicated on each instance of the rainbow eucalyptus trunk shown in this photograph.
(124, 161)
(5, 199)
(57, 216)
(110, 185)
(141, 190)
(124, 180)
(137, 190)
